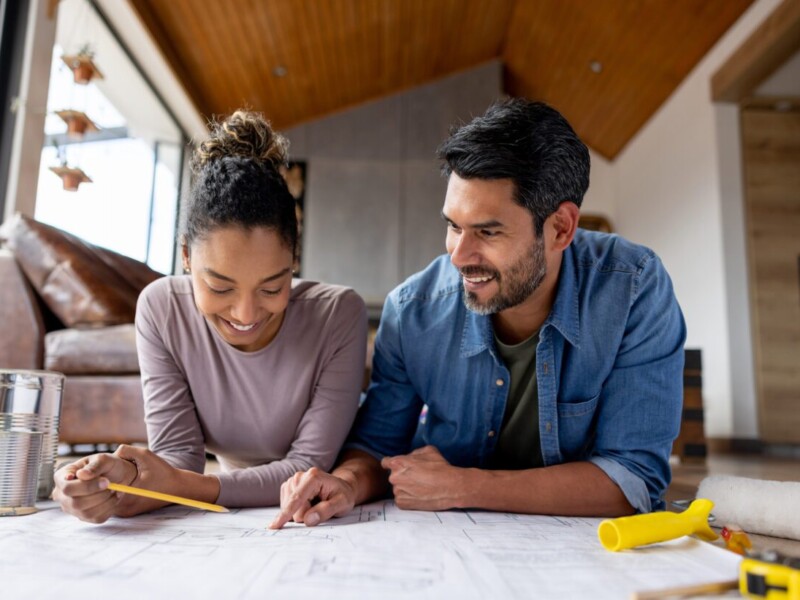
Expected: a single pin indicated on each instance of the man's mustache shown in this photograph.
(478, 272)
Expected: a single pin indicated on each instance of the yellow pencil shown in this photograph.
(687, 590)
(126, 489)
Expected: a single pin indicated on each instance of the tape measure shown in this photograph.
(770, 575)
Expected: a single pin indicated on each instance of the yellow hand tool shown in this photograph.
(638, 530)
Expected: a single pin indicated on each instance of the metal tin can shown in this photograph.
(20, 463)
(31, 401)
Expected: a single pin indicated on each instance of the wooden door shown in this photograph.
(771, 154)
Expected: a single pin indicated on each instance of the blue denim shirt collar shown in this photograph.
(478, 334)
(564, 315)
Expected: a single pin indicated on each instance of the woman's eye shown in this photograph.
(220, 292)
(271, 292)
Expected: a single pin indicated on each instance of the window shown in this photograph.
(134, 160)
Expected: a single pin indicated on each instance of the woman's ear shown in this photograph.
(185, 260)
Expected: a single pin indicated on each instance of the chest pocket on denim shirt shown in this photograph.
(575, 433)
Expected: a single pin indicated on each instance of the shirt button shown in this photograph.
(499, 382)
(491, 433)
(548, 426)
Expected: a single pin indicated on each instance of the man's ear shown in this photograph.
(564, 222)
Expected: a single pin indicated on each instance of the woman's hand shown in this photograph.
(330, 496)
(153, 473)
(81, 487)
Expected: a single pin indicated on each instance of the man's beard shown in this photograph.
(516, 285)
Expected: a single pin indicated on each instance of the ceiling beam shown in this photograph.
(779, 103)
(767, 48)
(162, 40)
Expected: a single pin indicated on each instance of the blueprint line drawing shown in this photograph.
(376, 551)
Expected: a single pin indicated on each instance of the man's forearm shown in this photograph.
(364, 473)
(575, 489)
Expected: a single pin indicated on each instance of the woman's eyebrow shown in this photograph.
(266, 279)
(277, 275)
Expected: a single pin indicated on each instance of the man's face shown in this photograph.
(492, 242)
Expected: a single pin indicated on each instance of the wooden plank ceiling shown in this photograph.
(606, 64)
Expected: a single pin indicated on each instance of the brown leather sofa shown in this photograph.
(68, 306)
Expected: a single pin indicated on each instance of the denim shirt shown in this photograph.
(609, 365)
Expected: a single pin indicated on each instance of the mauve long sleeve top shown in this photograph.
(264, 414)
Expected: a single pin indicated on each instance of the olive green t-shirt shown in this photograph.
(518, 445)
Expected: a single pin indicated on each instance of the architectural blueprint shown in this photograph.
(377, 551)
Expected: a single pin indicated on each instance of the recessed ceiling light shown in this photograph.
(279, 71)
(596, 66)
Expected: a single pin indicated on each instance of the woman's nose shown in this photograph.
(244, 311)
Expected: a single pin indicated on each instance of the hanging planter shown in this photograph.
(82, 66)
(71, 177)
(77, 123)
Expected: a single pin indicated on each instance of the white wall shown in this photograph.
(679, 192)
(602, 195)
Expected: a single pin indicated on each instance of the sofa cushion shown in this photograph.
(102, 410)
(106, 350)
(84, 285)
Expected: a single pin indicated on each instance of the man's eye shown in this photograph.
(453, 227)
(488, 233)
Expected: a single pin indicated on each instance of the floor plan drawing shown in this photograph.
(377, 550)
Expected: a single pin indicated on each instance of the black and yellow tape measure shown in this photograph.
(770, 575)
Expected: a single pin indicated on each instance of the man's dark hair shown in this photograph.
(527, 142)
(238, 181)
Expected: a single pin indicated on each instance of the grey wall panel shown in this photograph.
(423, 229)
(431, 109)
(373, 191)
(298, 142)
(372, 131)
(351, 233)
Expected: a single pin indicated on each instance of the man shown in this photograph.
(537, 370)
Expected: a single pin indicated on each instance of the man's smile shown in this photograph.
(483, 279)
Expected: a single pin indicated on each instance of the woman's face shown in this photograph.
(241, 280)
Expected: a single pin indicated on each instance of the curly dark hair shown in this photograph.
(527, 142)
(237, 181)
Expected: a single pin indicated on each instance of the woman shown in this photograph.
(237, 358)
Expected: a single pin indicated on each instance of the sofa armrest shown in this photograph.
(22, 341)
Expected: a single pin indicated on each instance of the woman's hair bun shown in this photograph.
(246, 134)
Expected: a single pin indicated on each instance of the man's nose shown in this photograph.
(462, 251)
